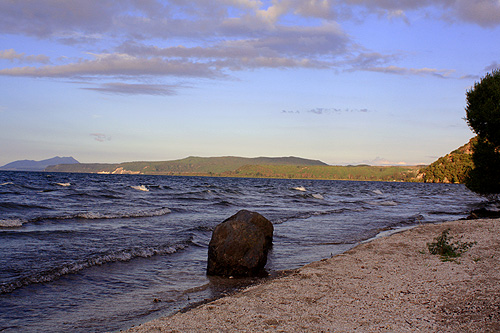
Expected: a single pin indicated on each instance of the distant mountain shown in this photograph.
(189, 165)
(30, 165)
(259, 167)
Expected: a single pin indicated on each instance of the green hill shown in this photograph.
(260, 167)
(190, 165)
(451, 168)
(358, 172)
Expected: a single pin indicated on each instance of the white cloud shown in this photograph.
(494, 65)
(116, 65)
(379, 161)
(441, 73)
(12, 55)
(219, 37)
(100, 137)
(85, 21)
(324, 111)
(136, 89)
(485, 13)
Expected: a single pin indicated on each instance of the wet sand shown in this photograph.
(390, 284)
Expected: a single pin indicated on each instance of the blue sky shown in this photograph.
(343, 81)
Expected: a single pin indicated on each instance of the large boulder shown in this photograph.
(239, 245)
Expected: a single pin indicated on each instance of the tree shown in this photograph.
(483, 117)
(484, 178)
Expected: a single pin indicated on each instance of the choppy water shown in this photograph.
(86, 252)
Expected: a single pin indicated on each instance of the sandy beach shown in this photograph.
(390, 284)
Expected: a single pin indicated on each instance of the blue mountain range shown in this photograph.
(30, 165)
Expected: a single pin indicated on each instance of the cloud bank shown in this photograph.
(170, 39)
(324, 111)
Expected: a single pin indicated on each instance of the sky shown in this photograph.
(381, 82)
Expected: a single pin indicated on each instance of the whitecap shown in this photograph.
(388, 203)
(95, 216)
(75, 267)
(12, 223)
(318, 196)
(8, 183)
(299, 188)
(379, 192)
(90, 216)
(382, 203)
(140, 188)
(64, 184)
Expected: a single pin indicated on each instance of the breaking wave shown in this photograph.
(95, 216)
(11, 223)
(16, 222)
(306, 215)
(75, 267)
(140, 188)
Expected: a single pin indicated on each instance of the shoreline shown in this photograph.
(390, 283)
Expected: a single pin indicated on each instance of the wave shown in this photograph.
(11, 223)
(306, 215)
(412, 220)
(299, 188)
(299, 197)
(223, 203)
(19, 206)
(99, 260)
(95, 216)
(94, 195)
(203, 228)
(64, 184)
(7, 183)
(16, 223)
(382, 203)
(140, 188)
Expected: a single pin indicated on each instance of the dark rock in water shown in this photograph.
(239, 245)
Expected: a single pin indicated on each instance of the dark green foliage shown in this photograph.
(483, 108)
(452, 168)
(442, 247)
(361, 172)
(485, 177)
(190, 165)
(483, 116)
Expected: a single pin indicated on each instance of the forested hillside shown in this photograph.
(451, 168)
(261, 167)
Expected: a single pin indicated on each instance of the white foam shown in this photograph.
(299, 188)
(8, 183)
(90, 216)
(379, 192)
(382, 203)
(95, 216)
(388, 203)
(64, 184)
(12, 223)
(318, 196)
(140, 188)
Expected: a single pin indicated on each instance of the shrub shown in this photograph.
(447, 250)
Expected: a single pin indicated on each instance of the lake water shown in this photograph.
(92, 253)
